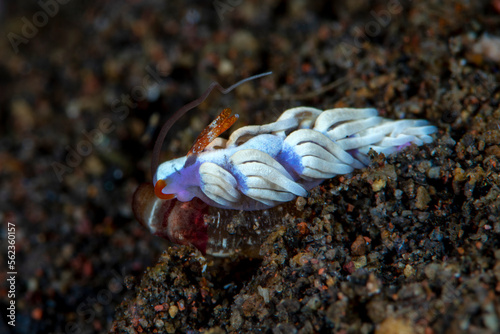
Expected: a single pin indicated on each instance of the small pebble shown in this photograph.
(408, 271)
(378, 185)
(358, 247)
(172, 310)
(360, 262)
(236, 320)
(422, 199)
(394, 326)
(300, 202)
(433, 172)
(159, 323)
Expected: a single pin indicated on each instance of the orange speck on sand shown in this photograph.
(302, 228)
(349, 267)
(306, 67)
(37, 313)
(87, 268)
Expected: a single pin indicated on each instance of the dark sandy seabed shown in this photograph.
(409, 244)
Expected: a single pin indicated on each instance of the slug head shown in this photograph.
(155, 160)
(223, 122)
(168, 180)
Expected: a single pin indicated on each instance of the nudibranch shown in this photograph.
(261, 166)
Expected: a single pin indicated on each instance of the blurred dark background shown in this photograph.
(85, 84)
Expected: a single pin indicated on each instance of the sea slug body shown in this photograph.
(261, 166)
